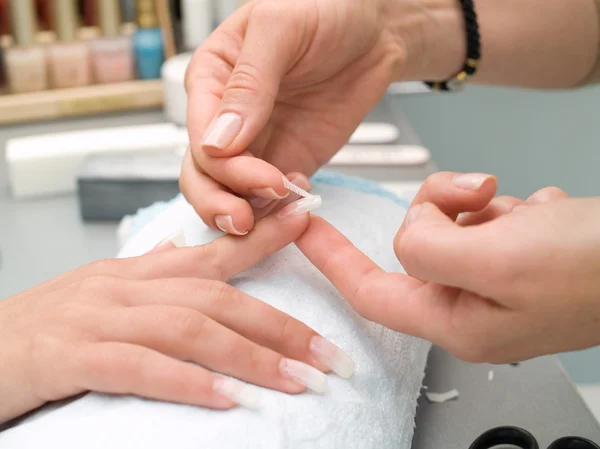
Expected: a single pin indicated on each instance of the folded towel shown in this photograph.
(374, 409)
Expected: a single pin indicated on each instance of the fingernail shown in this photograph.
(412, 214)
(304, 374)
(300, 207)
(243, 394)
(260, 203)
(269, 193)
(225, 224)
(177, 240)
(331, 356)
(472, 181)
(223, 131)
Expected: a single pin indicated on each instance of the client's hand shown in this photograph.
(509, 280)
(130, 326)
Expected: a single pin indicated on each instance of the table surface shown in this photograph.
(42, 238)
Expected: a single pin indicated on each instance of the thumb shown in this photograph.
(432, 247)
(270, 45)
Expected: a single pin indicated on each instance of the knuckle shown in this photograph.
(135, 363)
(246, 78)
(189, 325)
(223, 293)
(94, 287)
(208, 256)
(215, 294)
(409, 248)
(288, 329)
(91, 366)
(103, 267)
(257, 360)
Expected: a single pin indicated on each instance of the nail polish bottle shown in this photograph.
(4, 22)
(44, 15)
(89, 13)
(112, 54)
(4, 33)
(148, 41)
(6, 42)
(69, 58)
(26, 62)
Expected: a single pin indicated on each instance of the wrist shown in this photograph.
(17, 397)
(432, 34)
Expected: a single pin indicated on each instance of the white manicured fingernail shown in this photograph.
(177, 240)
(225, 224)
(300, 207)
(305, 374)
(243, 394)
(471, 181)
(331, 356)
(223, 131)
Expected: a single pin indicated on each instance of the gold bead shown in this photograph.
(473, 63)
(462, 76)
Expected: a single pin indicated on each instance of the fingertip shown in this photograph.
(546, 195)
(221, 134)
(226, 224)
(455, 193)
(489, 187)
(226, 213)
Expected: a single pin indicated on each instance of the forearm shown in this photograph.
(528, 43)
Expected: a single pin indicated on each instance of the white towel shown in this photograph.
(374, 409)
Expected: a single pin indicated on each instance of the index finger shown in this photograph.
(394, 300)
(223, 258)
(455, 193)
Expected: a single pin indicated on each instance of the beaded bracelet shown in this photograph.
(473, 52)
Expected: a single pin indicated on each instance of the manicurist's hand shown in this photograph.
(131, 326)
(282, 85)
(507, 281)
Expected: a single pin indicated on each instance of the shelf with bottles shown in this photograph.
(64, 57)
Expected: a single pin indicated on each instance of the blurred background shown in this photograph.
(73, 65)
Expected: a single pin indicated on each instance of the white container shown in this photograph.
(173, 75)
(197, 22)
